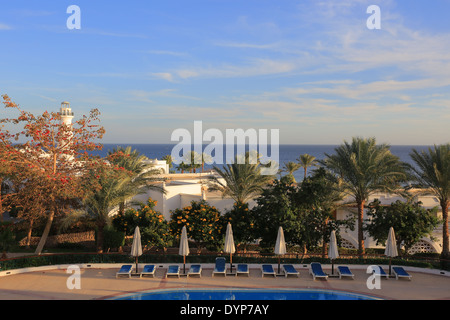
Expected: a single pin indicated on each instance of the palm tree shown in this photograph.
(143, 176)
(169, 160)
(112, 194)
(182, 166)
(365, 168)
(241, 182)
(193, 161)
(432, 172)
(115, 187)
(290, 167)
(129, 175)
(206, 158)
(306, 161)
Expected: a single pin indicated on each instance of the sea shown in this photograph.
(287, 152)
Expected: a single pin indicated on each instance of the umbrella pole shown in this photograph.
(184, 264)
(332, 266)
(231, 262)
(136, 264)
(278, 264)
(390, 265)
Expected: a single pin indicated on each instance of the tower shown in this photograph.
(66, 113)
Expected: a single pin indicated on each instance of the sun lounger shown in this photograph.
(195, 270)
(125, 270)
(242, 269)
(289, 270)
(379, 270)
(173, 270)
(267, 269)
(315, 269)
(401, 273)
(149, 270)
(220, 267)
(344, 271)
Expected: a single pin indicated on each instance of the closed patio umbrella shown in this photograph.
(184, 247)
(333, 252)
(391, 247)
(136, 247)
(280, 246)
(229, 244)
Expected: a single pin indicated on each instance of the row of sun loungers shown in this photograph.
(220, 268)
(149, 271)
(315, 270)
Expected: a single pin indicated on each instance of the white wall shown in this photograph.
(428, 202)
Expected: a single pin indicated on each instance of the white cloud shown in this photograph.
(256, 67)
(371, 90)
(140, 95)
(164, 75)
(5, 27)
(166, 52)
(244, 45)
(145, 96)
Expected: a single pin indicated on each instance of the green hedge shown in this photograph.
(56, 259)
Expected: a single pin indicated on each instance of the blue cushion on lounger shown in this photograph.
(316, 271)
(220, 266)
(290, 270)
(267, 269)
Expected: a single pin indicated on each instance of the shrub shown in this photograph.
(7, 237)
(112, 238)
(242, 222)
(203, 224)
(71, 246)
(154, 229)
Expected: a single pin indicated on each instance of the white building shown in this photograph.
(181, 189)
(160, 165)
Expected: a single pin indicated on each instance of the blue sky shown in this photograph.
(311, 69)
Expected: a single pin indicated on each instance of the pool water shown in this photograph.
(245, 294)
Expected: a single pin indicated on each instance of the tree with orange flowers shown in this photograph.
(203, 223)
(154, 228)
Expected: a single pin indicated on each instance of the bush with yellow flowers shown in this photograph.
(203, 224)
(152, 225)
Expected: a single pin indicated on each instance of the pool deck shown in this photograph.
(101, 283)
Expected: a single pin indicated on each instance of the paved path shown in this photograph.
(102, 283)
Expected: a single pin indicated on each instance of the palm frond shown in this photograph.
(241, 181)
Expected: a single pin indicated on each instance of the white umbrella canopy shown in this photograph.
(229, 240)
(391, 247)
(391, 244)
(229, 244)
(184, 247)
(333, 252)
(280, 245)
(136, 247)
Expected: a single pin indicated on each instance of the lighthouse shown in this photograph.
(66, 113)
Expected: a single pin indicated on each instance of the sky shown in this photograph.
(311, 69)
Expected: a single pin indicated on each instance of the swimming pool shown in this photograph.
(245, 294)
